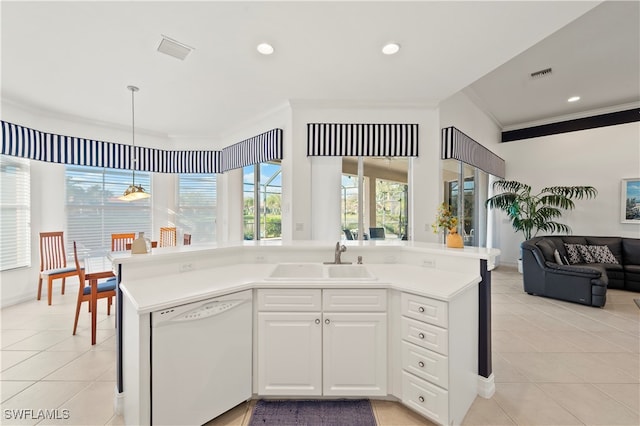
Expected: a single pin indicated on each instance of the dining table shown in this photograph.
(96, 268)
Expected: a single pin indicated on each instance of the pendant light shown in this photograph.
(134, 192)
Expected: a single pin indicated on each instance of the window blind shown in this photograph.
(15, 207)
(197, 202)
(94, 211)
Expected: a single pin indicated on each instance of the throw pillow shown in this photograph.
(586, 254)
(573, 253)
(602, 254)
(556, 255)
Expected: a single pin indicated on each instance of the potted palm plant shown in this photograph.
(531, 213)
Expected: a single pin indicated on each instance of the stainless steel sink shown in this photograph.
(317, 271)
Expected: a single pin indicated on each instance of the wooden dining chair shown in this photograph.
(53, 262)
(106, 289)
(119, 241)
(168, 236)
(187, 240)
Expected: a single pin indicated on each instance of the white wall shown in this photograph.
(598, 157)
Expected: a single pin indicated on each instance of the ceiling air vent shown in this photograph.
(542, 73)
(174, 48)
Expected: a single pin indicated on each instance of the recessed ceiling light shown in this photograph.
(265, 48)
(390, 48)
(573, 99)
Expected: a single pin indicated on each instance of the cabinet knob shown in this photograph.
(317, 320)
(421, 398)
(421, 335)
(421, 364)
(420, 309)
(327, 321)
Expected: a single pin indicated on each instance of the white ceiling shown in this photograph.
(596, 57)
(77, 58)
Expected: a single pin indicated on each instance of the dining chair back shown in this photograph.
(53, 262)
(119, 241)
(168, 236)
(187, 240)
(106, 289)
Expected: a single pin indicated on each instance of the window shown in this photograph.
(375, 195)
(197, 200)
(262, 197)
(15, 226)
(94, 211)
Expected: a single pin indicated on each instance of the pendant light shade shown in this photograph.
(134, 192)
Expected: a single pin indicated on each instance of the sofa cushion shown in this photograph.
(614, 244)
(558, 258)
(570, 239)
(631, 251)
(547, 248)
(573, 254)
(602, 254)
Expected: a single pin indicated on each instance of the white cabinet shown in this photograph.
(354, 354)
(289, 353)
(322, 342)
(439, 344)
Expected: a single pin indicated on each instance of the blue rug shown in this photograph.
(342, 412)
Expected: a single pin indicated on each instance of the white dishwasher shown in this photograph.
(200, 359)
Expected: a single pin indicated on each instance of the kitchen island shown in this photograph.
(412, 312)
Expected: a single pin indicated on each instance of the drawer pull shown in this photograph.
(421, 398)
(317, 320)
(421, 364)
(420, 309)
(327, 321)
(421, 335)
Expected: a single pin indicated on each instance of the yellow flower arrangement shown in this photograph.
(445, 219)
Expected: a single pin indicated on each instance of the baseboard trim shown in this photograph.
(118, 401)
(486, 386)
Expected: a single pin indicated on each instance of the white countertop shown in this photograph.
(152, 294)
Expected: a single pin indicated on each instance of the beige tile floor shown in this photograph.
(555, 363)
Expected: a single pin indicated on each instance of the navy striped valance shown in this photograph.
(366, 140)
(264, 147)
(459, 146)
(20, 141)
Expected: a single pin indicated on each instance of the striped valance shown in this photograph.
(264, 147)
(459, 146)
(20, 141)
(366, 140)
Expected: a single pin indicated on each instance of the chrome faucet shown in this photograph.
(339, 250)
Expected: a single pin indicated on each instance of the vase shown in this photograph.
(140, 245)
(454, 240)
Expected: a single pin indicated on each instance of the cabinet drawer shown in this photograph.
(289, 300)
(354, 300)
(425, 309)
(425, 335)
(425, 398)
(426, 364)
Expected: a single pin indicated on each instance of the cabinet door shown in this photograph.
(355, 354)
(289, 353)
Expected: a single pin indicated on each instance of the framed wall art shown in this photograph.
(630, 201)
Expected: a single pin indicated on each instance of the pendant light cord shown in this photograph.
(133, 131)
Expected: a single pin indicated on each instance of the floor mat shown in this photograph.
(343, 412)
